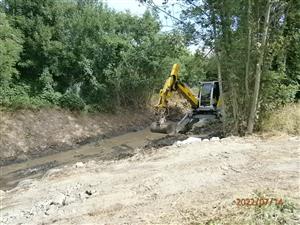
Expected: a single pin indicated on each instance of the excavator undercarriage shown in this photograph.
(205, 107)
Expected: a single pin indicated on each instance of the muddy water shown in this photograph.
(108, 149)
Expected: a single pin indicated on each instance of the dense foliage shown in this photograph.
(81, 54)
(255, 48)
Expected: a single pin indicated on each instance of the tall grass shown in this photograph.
(286, 120)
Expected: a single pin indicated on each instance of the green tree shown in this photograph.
(82, 48)
(10, 48)
(255, 68)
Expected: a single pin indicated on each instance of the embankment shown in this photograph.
(27, 134)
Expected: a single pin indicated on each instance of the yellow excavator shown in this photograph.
(206, 106)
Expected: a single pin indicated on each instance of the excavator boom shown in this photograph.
(173, 84)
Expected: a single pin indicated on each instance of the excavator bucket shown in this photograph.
(164, 128)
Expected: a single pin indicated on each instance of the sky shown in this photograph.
(121, 5)
(137, 8)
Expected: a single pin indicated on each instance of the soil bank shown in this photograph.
(29, 134)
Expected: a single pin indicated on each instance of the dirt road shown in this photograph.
(180, 184)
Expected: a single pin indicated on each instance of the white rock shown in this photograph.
(58, 199)
(79, 165)
(215, 139)
(190, 140)
(52, 210)
(91, 164)
(205, 140)
(70, 200)
(25, 183)
(52, 172)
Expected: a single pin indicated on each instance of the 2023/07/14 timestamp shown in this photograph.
(258, 201)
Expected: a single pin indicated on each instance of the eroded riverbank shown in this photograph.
(114, 148)
(27, 134)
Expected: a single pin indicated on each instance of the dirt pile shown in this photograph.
(191, 182)
(26, 134)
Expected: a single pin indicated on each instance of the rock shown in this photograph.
(91, 164)
(79, 165)
(52, 210)
(52, 173)
(25, 183)
(215, 139)
(58, 199)
(190, 140)
(205, 140)
(88, 192)
(70, 200)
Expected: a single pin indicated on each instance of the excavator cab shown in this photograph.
(209, 96)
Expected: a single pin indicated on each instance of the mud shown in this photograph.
(31, 134)
(114, 148)
(165, 141)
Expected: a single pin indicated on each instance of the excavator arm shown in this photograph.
(187, 94)
(173, 84)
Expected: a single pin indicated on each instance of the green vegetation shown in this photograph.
(255, 53)
(80, 54)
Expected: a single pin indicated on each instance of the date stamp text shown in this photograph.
(258, 201)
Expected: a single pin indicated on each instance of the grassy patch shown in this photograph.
(286, 213)
(286, 119)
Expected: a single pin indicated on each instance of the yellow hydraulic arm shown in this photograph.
(174, 84)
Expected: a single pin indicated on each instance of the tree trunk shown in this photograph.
(248, 53)
(221, 85)
(252, 115)
(234, 109)
(219, 71)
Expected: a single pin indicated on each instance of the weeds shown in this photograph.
(286, 119)
(286, 213)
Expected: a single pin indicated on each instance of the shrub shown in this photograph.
(51, 97)
(10, 96)
(71, 101)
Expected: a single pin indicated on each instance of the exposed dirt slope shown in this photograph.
(172, 185)
(33, 133)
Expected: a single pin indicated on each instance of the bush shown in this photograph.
(51, 97)
(71, 101)
(17, 97)
(10, 96)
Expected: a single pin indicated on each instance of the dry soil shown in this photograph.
(187, 183)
